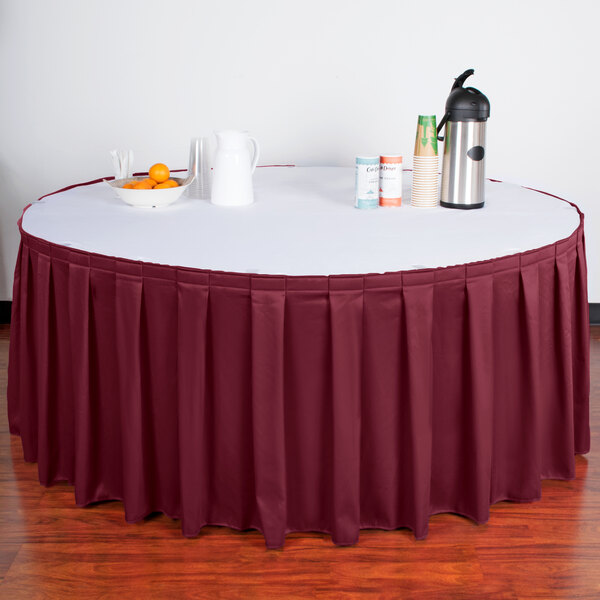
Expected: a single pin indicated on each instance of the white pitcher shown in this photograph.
(233, 168)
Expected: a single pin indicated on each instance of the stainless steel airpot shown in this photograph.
(463, 167)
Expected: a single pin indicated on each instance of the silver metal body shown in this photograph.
(462, 176)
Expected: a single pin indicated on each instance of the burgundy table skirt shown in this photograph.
(287, 404)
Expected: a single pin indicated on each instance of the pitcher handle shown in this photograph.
(256, 153)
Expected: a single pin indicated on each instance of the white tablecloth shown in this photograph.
(302, 223)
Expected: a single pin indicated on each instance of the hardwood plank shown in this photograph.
(545, 570)
(309, 567)
(8, 552)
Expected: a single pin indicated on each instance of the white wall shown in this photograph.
(316, 81)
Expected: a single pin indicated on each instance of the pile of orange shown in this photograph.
(158, 179)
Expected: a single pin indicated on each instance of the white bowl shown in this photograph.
(150, 198)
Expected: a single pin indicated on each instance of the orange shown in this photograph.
(143, 185)
(150, 181)
(128, 186)
(166, 184)
(159, 172)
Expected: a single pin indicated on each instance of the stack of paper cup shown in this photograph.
(425, 188)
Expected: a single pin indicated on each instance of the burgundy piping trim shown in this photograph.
(70, 187)
(139, 174)
(533, 190)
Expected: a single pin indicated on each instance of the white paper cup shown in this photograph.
(424, 196)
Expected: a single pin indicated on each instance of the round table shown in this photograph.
(298, 364)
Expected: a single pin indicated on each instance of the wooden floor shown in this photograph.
(49, 548)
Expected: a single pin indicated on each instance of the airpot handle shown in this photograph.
(459, 81)
(442, 123)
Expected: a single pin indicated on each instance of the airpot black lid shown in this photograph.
(466, 104)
